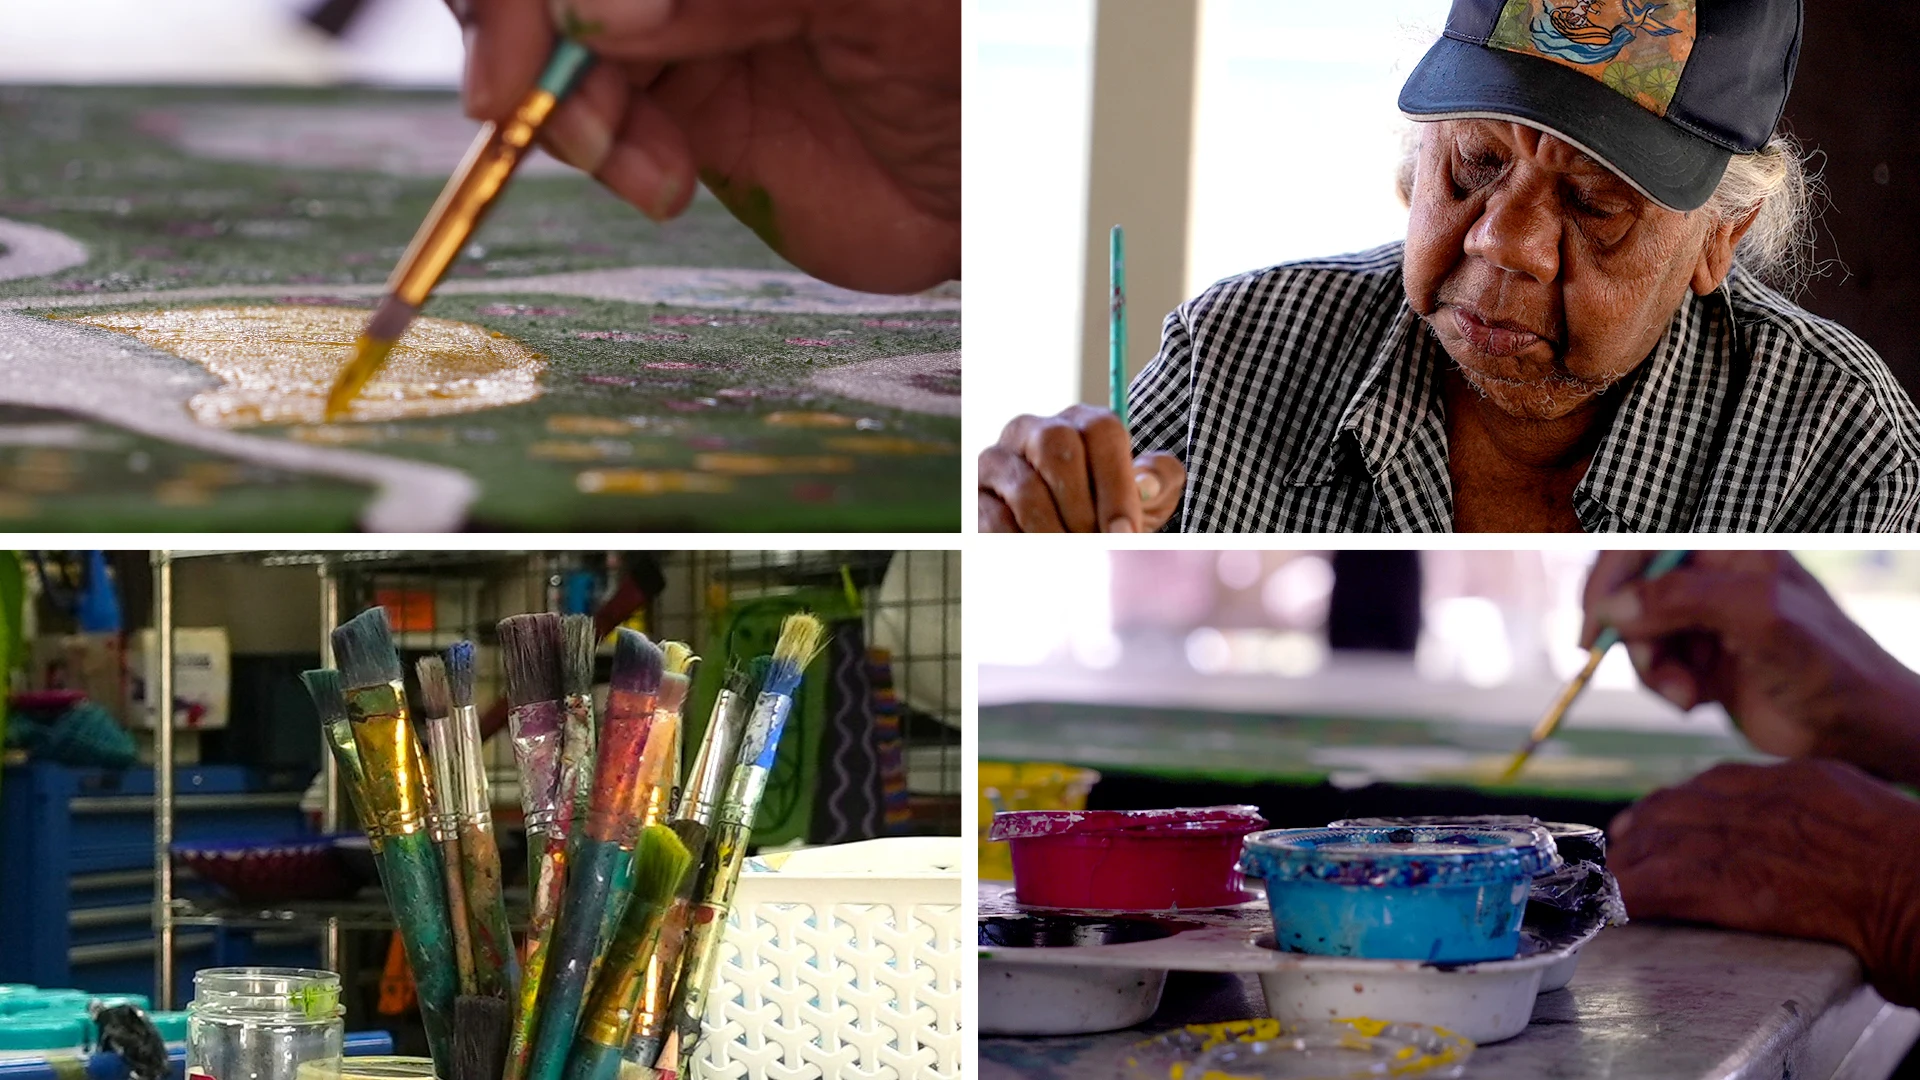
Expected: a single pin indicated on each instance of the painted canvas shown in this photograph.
(182, 271)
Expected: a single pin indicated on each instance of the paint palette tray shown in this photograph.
(1057, 972)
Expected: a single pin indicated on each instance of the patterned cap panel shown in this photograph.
(1637, 48)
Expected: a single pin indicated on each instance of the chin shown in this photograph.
(1550, 398)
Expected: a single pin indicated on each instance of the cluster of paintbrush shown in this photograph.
(630, 877)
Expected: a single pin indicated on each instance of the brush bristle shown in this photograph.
(680, 658)
(436, 696)
(739, 680)
(460, 673)
(532, 647)
(329, 698)
(757, 671)
(800, 637)
(660, 860)
(481, 1026)
(363, 651)
(577, 676)
(637, 663)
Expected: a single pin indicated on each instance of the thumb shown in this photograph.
(1161, 478)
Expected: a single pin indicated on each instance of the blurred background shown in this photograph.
(1230, 135)
(1321, 685)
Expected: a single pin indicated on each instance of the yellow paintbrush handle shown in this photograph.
(1555, 713)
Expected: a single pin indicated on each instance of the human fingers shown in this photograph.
(649, 162)
(1005, 474)
(1160, 479)
(507, 45)
(1610, 571)
(1109, 452)
(1055, 448)
(682, 29)
(995, 516)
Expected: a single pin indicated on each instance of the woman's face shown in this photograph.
(1546, 277)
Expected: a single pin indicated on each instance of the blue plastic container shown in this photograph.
(1443, 895)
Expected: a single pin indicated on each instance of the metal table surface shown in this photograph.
(1649, 1000)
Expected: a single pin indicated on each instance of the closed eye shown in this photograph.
(1474, 170)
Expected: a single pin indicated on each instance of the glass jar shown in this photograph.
(263, 1023)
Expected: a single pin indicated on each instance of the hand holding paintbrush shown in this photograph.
(635, 749)
(395, 793)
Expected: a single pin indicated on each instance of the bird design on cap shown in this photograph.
(1571, 34)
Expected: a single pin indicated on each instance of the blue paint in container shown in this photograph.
(1443, 895)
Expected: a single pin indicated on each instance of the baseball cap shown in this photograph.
(1662, 92)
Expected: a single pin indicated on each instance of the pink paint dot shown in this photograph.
(690, 406)
(611, 380)
(709, 442)
(627, 335)
(815, 492)
(669, 365)
(907, 324)
(816, 343)
(524, 310)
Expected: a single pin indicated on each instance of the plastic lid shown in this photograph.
(171, 1025)
(36, 1000)
(1299, 1050)
(42, 1031)
(1417, 855)
(1188, 821)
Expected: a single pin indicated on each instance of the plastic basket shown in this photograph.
(843, 965)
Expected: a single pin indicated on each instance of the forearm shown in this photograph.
(1880, 733)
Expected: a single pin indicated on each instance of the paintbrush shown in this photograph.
(480, 1037)
(799, 642)
(488, 932)
(444, 808)
(577, 747)
(636, 745)
(496, 151)
(1662, 563)
(663, 860)
(532, 644)
(323, 685)
(1117, 325)
(693, 821)
(370, 674)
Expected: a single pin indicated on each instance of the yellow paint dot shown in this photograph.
(885, 444)
(763, 465)
(13, 505)
(809, 420)
(578, 451)
(275, 364)
(182, 493)
(588, 425)
(650, 482)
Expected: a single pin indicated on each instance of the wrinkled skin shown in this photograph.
(831, 127)
(1546, 278)
(1810, 848)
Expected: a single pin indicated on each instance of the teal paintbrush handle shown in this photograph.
(1663, 563)
(601, 880)
(414, 880)
(565, 68)
(1117, 326)
(593, 1061)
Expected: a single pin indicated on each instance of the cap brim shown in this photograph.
(1667, 164)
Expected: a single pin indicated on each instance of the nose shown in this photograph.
(1519, 231)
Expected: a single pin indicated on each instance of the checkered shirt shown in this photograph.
(1306, 398)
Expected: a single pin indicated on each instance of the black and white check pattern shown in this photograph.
(1305, 398)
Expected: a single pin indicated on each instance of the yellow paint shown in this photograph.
(809, 420)
(276, 364)
(16, 506)
(650, 482)
(764, 465)
(566, 450)
(588, 425)
(886, 444)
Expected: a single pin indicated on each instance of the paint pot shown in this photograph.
(1576, 843)
(1317, 1047)
(1024, 786)
(38, 1033)
(1440, 895)
(1127, 860)
(1028, 999)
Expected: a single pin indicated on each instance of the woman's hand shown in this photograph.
(1075, 472)
(1754, 631)
(1811, 849)
(830, 127)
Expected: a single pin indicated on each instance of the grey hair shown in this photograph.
(1777, 184)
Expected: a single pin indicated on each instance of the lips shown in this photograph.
(1493, 337)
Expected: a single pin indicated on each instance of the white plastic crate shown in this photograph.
(842, 965)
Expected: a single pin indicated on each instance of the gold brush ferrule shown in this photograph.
(390, 757)
(490, 161)
(352, 777)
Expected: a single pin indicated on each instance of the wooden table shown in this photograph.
(1652, 1001)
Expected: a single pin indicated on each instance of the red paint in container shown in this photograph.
(1127, 860)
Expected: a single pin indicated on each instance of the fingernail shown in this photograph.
(1120, 524)
(1620, 824)
(1677, 692)
(576, 137)
(1641, 654)
(1621, 607)
(1148, 484)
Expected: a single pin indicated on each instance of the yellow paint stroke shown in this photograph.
(588, 425)
(650, 482)
(275, 364)
(574, 450)
(764, 465)
(809, 420)
(886, 444)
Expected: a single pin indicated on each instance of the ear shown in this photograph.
(1716, 255)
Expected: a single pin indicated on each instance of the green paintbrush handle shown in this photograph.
(414, 880)
(597, 893)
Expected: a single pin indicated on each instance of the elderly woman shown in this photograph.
(1576, 334)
